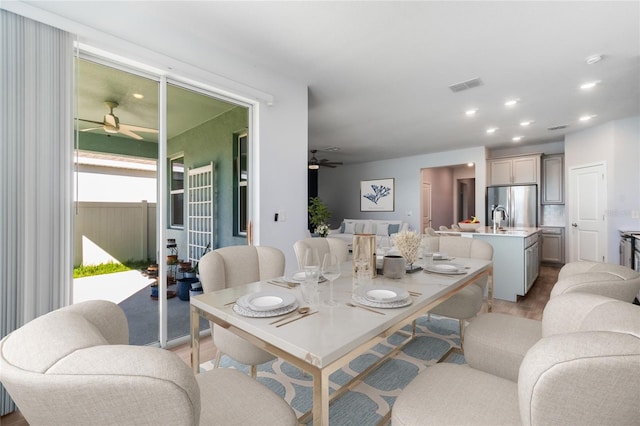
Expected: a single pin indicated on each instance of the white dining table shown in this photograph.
(326, 341)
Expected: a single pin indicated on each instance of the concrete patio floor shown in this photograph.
(114, 287)
(130, 290)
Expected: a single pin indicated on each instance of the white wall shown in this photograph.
(280, 117)
(340, 187)
(617, 144)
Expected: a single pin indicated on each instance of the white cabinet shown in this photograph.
(552, 245)
(553, 179)
(513, 170)
(531, 265)
(516, 263)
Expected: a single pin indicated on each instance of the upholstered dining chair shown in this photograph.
(74, 366)
(578, 366)
(323, 245)
(429, 232)
(611, 280)
(467, 302)
(233, 266)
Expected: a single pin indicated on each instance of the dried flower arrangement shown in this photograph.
(408, 243)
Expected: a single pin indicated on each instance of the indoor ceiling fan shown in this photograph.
(315, 164)
(111, 124)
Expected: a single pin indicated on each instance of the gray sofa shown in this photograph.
(380, 228)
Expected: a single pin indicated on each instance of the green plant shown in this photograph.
(205, 251)
(109, 268)
(318, 212)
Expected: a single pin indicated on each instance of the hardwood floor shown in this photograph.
(529, 306)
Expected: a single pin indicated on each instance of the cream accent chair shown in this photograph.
(467, 302)
(615, 281)
(497, 343)
(323, 245)
(73, 366)
(233, 266)
(583, 371)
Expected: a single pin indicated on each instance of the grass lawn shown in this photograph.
(109, 268)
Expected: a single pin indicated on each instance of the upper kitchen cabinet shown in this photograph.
(553, 179)
(513, 170)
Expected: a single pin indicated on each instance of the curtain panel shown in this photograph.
(36, 156)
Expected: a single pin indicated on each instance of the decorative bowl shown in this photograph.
(469, 227)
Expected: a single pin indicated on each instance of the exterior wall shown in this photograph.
(114, 232)
(213, 141)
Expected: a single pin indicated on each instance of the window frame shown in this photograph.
(240, 186)
(172, 192)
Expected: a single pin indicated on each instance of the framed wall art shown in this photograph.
(377, 195)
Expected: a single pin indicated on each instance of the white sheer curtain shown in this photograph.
(36, 163)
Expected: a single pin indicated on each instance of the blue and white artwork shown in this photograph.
(377, 195)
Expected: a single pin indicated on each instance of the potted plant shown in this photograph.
(319, 215)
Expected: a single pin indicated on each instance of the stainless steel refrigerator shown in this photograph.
(520, 203)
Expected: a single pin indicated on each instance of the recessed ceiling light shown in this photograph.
(586, 117)
(471, 112)
(470, 164)
(590, 85)
(526, 123)
(492, 130)
(511, 102)
(138, 95)
(516, 138)
(593, 59)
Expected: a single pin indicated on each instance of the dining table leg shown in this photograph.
(195, 340)
(320, 398)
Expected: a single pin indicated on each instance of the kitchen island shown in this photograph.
(516, 258)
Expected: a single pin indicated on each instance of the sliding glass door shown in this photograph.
(154, 193)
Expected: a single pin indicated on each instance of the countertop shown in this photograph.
(521, 232)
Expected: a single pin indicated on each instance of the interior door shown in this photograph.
(587, 205)
(426, 205)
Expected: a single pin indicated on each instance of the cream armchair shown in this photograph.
(607, 279)
(497, 343)
(323, 245)
(583, 371)
(233, 266)
(74, 366)
(467, 302)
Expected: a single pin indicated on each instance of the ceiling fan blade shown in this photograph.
(91, 128)
(137, 128)
(91, 121)
(127, 132)
(111, 120)
(327, 165)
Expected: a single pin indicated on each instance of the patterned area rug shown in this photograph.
(369, 401)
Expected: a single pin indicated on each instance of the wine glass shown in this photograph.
(311, 267)
(331, 271)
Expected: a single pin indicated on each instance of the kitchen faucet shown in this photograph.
(499, 214)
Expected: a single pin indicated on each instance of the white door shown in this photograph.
(587, 205)
(426, 206)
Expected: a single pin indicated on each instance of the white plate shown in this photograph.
(267, 300)
(246, 312)
(382, 294)
(384, 305)
(446, 268)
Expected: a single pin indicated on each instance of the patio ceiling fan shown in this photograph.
(314, 163)
(111, 124)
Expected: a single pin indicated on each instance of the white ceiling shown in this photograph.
(378, 72)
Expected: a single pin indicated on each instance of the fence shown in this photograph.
(114, 232)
